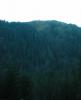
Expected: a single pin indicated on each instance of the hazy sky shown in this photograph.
(26, 10)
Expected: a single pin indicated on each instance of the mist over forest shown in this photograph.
(40, 60)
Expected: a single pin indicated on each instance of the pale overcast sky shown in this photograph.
(26, 10)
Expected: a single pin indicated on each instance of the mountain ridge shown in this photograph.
(43, 56)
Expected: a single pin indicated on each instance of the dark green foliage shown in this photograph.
(40, 60)
(15, 85)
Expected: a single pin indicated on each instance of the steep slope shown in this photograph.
(40, 45)
(40, 60)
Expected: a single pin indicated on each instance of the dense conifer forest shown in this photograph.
(40, 60)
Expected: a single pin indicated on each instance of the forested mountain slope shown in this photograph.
(42, 50)
(39, 44)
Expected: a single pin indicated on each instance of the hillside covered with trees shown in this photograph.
(40, 60)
